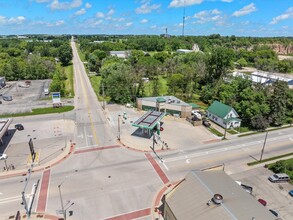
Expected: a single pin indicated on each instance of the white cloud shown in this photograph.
(100, 15)
(143, 21)
(129, 24)
(208, 16)
(287, 15)
(58, 23)
(245, 10)
(12, 20)
(215, 12)
(42, 1)
(154, 27)
(88, 5)
(227, 1)
(111, 12)
(182, 3)
(82, 11)
(56, 5)
(147, 8)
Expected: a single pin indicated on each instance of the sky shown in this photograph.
(259, 18)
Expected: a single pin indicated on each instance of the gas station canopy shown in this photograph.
(149, 120)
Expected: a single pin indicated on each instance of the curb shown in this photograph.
(23, 172)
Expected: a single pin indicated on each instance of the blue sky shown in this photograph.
(202, 17)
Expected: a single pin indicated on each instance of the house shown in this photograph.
(223, 115)
(211, 195)
(120, 54)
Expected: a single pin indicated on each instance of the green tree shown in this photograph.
(219, 63)
(278, 103)
(65, 54)
(119, 82)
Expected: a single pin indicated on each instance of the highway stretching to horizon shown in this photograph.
(103, 180)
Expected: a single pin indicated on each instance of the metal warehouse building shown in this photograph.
(168, 104)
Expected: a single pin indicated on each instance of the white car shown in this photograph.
(196, 113)
(3, 156)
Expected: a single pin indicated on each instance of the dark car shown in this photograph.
(262, 201)
(291, 193)
(206, 123)
(19, 127)
(274, 212)
(0, 102)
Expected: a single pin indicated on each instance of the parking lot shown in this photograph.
(24, 98)
(275, 194)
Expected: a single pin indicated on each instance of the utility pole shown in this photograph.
(263, 148)
(118, 128)
(62, 205)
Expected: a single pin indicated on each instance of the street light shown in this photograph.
(119, 129)
(62, 206)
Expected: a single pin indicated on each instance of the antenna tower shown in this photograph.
(183, 22)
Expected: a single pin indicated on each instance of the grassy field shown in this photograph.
(40, 111)
(69, 85)
(163, 87)
(81, 55)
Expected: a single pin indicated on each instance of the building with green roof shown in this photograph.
(223, 115)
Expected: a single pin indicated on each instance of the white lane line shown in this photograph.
(86, 142)
(164, 165)
(12, 199)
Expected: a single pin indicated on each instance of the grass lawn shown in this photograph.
(163, 87)
(41, 111)
(69, 87)
(216, 132)
(81, 55)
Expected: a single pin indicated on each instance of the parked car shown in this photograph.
(279, 177)
(196, 113)
(3, 156)
(291, 193)
(19, 127)
(274, 212)
(206, 123)
(0, 102)
(262, 201)
(7, 97)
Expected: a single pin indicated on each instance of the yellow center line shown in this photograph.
(88, 108)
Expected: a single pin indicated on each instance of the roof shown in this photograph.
(188, 201)
(219, 109)
(149, 120)
(193, 105)
(172, 100)
(161, 99)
